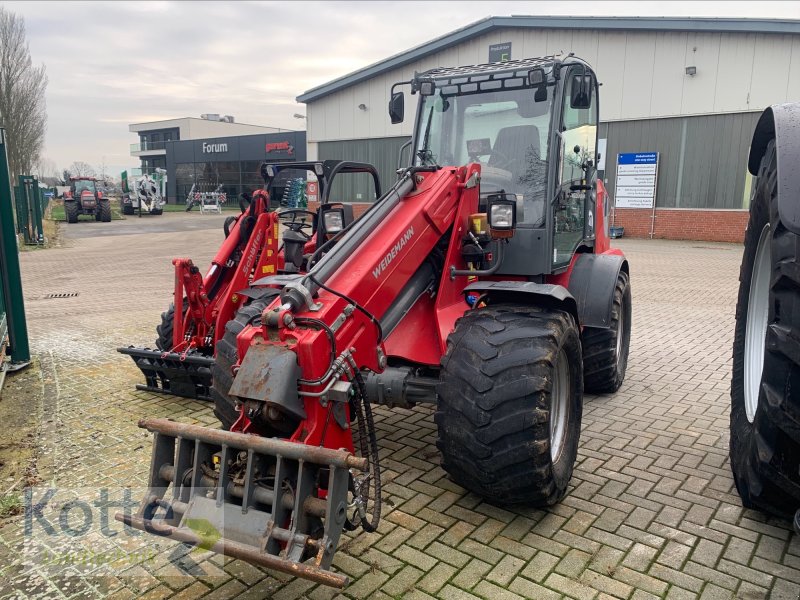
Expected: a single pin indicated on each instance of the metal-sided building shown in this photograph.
(689, 89)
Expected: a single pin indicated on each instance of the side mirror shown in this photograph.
(581, 92)
(396, 107)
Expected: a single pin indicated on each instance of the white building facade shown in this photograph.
(688, 89)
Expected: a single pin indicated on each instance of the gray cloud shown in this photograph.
(111, 64)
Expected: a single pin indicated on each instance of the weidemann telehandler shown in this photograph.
(482, 282)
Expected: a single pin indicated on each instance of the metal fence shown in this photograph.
(31, 203)
(13, 327)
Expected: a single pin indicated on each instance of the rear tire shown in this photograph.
(510, 400)
(765, 404)
(71, 211)
(127, 209)
(227, 355)
(104, 211)
(605, 351)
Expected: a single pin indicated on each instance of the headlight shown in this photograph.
(502, 216)
(333, 220)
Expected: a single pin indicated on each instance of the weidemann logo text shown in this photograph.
(395, 249)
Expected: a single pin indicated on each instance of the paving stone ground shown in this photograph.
(651, 513)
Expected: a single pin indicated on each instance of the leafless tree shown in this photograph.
(23, 112)
(101, 169)
(44, 167)
(81, 169)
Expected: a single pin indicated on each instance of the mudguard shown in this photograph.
(544, 293)
(592, 283)
(781, 122)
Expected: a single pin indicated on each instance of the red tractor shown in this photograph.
(83, 198)
(482, 282)
(180, 363)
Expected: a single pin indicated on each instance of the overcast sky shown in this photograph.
(111, 64)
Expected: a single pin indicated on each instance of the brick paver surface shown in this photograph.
(651, 513)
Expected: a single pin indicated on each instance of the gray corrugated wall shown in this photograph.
(714, 158)
(381, 152)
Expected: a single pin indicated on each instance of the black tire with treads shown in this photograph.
(165, 330)
(494, 403)
(104, 211)
(227, 356)
(71, 211)
(604, 368)
(765, 453)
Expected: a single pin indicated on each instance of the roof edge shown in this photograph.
(700, 24)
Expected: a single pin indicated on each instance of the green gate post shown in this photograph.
(10, 275)
(21, 209)
(33, 223)
(37, 212)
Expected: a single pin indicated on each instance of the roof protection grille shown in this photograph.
(475, 79)
(500, 70)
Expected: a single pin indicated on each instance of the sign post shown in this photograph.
(637, 180)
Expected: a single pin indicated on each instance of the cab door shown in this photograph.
(572, 213)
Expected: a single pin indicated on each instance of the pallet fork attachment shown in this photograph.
(270, 502)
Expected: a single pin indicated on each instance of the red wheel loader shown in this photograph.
(482, 282)
(180, 364)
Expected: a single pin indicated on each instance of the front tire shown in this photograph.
(605, 351)
(510, 400)
(765, 405)
(227, 356)
(164, 331)
(104, 211)
(71, 211)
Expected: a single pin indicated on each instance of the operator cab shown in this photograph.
(83, 185)
(532, 125)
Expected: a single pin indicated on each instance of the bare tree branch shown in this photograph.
(23, 110)
(81, 169)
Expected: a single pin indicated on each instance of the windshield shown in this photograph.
(84, 184)
(506, 131)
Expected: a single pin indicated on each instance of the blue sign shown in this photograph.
(637, 158)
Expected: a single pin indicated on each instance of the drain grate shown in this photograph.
(62, 295)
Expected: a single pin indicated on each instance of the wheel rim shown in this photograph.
(757, 320)
(559, 401)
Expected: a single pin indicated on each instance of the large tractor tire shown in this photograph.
(510, 403)
(104, 211)
(605, 351)
(765, 403)
(71, 211)
(227, 355)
